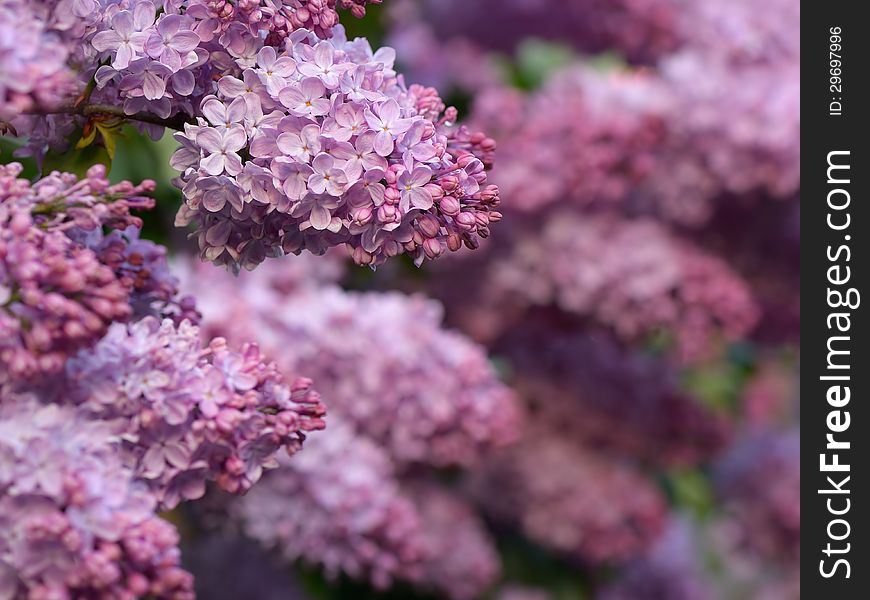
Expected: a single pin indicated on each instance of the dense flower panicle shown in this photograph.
(568, 499)
(425, 394)
(324, 145)
(338, 505)
(611, 399)
(33, 70)
(597, 153)
(670, 143)
(759, 482)
(76, 206)
(59, 283)
(742, 125)
(188, 414)
(73, 524)
(632, 276)
(741, 32)
(143, 267)
(145, 56)
(55, 296)
(461, 560)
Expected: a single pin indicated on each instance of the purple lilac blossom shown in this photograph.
(382, 361)
(73, 523)
(55, 295)
(323, 145)
(85, 209)
(155, 57)
(187, 414)
(33, 70)
(338, 505)
(570, 500)
(461, 560)
(632, 276)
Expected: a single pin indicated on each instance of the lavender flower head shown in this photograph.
(72, 521)
(187, 414)
(382, 361)
(323, 145)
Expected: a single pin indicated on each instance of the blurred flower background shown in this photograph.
(602, 400)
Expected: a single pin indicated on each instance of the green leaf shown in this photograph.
(77, 162)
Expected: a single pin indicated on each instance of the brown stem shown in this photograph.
(89, 110)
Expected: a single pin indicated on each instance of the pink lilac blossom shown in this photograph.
(157, 58)
(612, 399)
(55, 296)
(382, 360)
(324, 145)
(142, 266)
(188, 414)
(84, 209)
(742, 124)
(631, 276)
(570, 500)
(672, 143)
(33, 70)
(461, 560)
(73, 523)
(338, 505)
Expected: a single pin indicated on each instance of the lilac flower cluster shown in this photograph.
(632, 276)
(146, 57)
(33, 69)
(597, 153)
(55, 296)
(460, 559)
(73, 523)
(324, 145)
(188, 414)
(425, 394)
(338, 505)
(142, 266)
(58, 291)
(564, 497)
